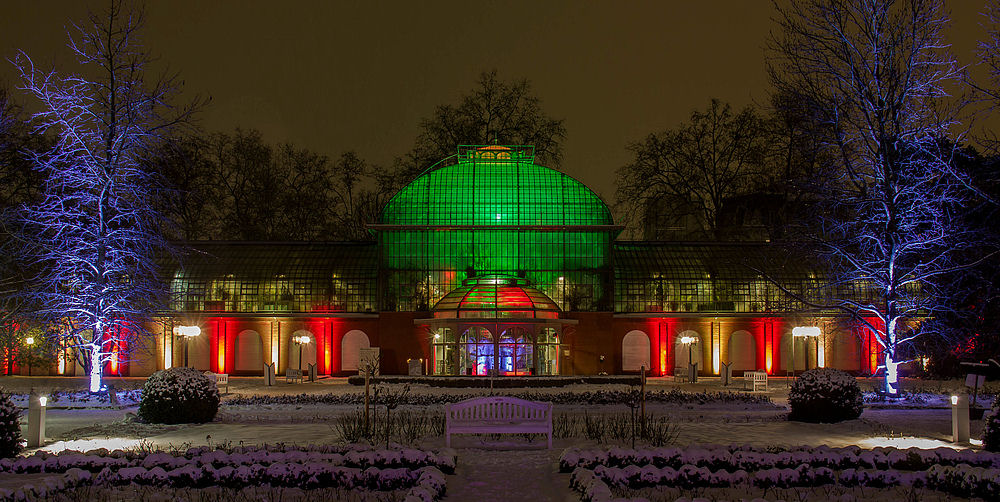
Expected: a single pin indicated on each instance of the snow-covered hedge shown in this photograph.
(417, 472)
(825, 395)
(672, 396)
(97, 460)
(179, 395)
(598, 474)
(750, 458)
(10, 427)
(991, 427)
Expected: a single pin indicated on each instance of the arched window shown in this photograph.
(635, 351)
(742, 351)
(478, 352)
(516, 354)
(249, 353)
(307, 350)
(350, 346)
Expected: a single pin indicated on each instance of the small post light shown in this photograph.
(806, 332)
(36, 420)
(692, 366)
(31, 345)
(960, 419)
(187, 333)
(301, 340)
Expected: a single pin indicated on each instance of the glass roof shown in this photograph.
(715, 260)
(495, 186)
(267, 260)
(496, 296)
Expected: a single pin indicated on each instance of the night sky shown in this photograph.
(335, 76)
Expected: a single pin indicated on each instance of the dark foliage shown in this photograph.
(825, 395)
(179, 395)
(10, 427)
(991, 428)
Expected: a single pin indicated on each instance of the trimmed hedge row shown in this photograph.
(471, 382)
(674, 396)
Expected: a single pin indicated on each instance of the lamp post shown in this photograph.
(806, 332)
(301, 340)
(692, 372)
(31, 345)
(187, 333)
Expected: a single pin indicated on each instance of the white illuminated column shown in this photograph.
(301, 340)
(187, 333)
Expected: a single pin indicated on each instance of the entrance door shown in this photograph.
(478, 352)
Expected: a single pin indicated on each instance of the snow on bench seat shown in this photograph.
(497, 414)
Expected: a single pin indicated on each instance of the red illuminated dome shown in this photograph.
(496, 296)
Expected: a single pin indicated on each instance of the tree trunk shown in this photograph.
(891, 375)
(95, 369)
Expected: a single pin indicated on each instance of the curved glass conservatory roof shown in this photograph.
(495, 186)
(496, 296)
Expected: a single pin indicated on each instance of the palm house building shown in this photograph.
(489, 263)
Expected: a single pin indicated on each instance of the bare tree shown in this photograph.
(360, 192)
(494, 112)
(697, 167)
(94, 236)
(876, 74)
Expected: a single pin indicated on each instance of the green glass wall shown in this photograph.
(502, 215)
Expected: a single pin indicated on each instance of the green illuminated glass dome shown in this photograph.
(496, 296)
(495, 186)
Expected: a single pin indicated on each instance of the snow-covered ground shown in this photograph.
(529, 470)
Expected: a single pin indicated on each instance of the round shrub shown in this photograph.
(991, 427)
(10, 427)
(179, 395)
(825, 395)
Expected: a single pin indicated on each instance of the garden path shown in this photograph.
(509, 471)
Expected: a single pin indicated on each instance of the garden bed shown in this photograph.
(842, 473)
(410, 473)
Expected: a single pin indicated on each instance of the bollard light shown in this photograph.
(960, 419)
(36, 420)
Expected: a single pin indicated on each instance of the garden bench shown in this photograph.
(497, 414)
(293, 375)
(756, 379)
(220, 379)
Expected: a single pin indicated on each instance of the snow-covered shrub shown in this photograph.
(179, 395)
(825, 395)
(10, 427)
(991, 427)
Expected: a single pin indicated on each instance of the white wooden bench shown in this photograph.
(497, 414)
(293, 375)
(220, 379)
(757, 380)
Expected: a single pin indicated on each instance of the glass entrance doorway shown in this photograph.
(517, 351)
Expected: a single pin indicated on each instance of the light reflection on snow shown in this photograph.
(92, 444)
(909, 442)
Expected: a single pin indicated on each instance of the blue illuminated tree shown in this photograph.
(877, 75)
(94, 235)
